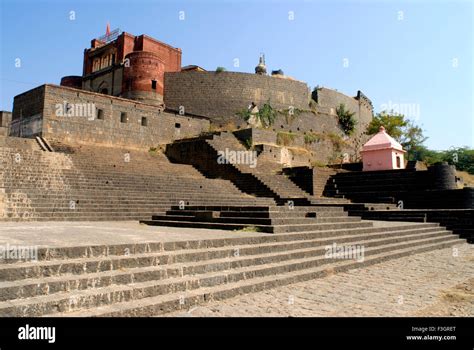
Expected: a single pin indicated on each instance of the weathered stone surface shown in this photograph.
(174, 275)
(429, 284)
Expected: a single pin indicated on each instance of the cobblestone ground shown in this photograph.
(436, 283)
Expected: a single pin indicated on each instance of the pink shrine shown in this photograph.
(382, 152)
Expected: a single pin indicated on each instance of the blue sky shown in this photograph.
(414, 54)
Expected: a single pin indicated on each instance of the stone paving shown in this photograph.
(71, 233)
(436, 283)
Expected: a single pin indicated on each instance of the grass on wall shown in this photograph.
(312, 137)
(337, 141)
(285, 138)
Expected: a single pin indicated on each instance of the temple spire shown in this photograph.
(261, 67)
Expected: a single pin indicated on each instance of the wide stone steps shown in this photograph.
(328, 201)
(98, 180)
(68, 217)
(67, 261)
(81, 260)
(124, 178)
(282, 219)
(122, 197)
(156, 297)
(269, 214)
(369, 188)
(65, 202)
(30, 288)
(101, 171)
(256, 221)
(117, 198)
(14, 279)
(367, 184)
(31, 170)
(261, 228)
(107, 198)
(67, 192)
(460, 221)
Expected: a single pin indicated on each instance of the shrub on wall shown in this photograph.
(244, 114)
(266, 115)
(346, 118)
(220, 69)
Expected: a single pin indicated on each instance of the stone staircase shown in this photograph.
(269, 173)
(416, 189)
(102, 183)
(146, 279)
(405, 195)
(460, 221)
(379, 186)
(266, 179)
(270, 219)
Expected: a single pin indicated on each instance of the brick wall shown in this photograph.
(171, 56)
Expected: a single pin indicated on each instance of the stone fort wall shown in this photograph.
(120, 122)
(219, 95)
(328, 100)
(147, 125)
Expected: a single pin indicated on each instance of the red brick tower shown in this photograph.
(125, 65)
(143, 77)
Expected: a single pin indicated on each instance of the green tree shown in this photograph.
(393, 124)
(405, 131)
(461, 157)
(428, 156)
